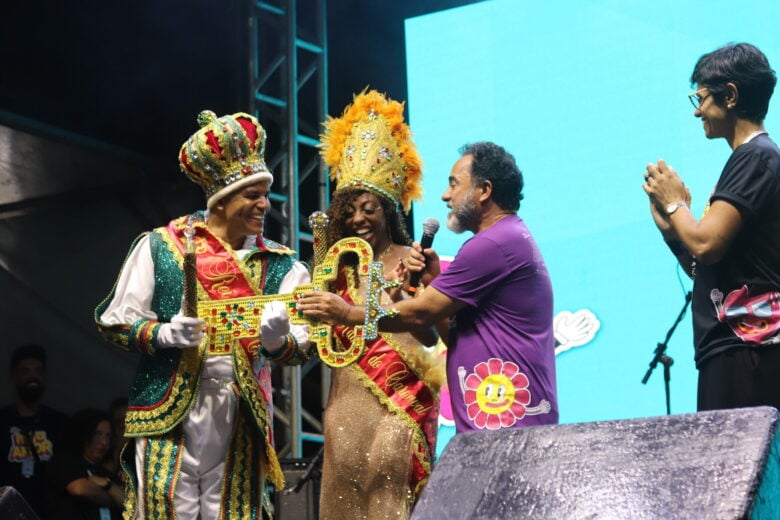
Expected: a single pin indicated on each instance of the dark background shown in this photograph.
(96, 98)
(135, 74)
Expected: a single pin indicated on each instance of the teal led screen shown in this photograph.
(585, 94)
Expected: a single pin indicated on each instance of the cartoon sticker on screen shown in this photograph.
(574, 329)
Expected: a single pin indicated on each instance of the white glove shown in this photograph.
(181, 332)
(274, 326)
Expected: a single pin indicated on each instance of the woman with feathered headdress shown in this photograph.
(381, 418)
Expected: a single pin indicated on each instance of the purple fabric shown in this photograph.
(501, 358)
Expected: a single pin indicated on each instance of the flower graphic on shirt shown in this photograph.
(496, 394)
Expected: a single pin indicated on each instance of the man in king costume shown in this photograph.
(200, 408)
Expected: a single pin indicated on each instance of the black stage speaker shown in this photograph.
(14, 506)
(300, 500)
(720, 465)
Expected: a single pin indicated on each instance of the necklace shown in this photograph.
(384, 253)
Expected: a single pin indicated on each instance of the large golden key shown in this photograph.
(239, 318)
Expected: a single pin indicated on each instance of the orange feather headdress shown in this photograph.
(370, 147)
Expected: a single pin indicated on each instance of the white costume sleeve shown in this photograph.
(298, 275)
(132, 299)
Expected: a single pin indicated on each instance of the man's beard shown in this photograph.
(464, 217)
(29, 393)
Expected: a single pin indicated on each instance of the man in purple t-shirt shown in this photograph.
(496, 294)
(500, 366)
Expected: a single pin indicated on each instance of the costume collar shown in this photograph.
(252, 243)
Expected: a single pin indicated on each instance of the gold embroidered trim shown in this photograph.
(423, 453)
(403, 343)
(241, 477)
(251, 394)
(165, 415)
(162, 465)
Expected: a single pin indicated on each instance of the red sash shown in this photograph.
(221, 276)
(219, 272)
(409, 395)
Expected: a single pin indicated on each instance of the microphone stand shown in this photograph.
(312, 470)
(661, 357)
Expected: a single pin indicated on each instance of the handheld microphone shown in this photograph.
(430, 227)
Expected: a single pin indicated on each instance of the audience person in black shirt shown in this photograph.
(29, 430)
(81, 485)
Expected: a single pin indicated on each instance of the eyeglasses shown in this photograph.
(696, 100)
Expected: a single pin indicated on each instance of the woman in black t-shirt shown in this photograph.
(81, 485)
(733, 251)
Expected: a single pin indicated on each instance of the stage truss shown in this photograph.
(288, 94)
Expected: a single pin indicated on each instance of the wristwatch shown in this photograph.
(671, 208)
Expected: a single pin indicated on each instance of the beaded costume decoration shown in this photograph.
(226, 154)
(238, 318)
(370, 147)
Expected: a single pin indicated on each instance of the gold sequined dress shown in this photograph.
(380, 427)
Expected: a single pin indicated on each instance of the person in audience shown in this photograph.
(29, 430)
(81, 486)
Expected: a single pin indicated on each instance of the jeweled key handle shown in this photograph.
(374, 311)
(238, 318)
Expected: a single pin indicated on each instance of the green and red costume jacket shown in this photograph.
(167, 379)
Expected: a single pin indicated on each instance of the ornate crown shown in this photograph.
(370, 147)
(226, 154)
